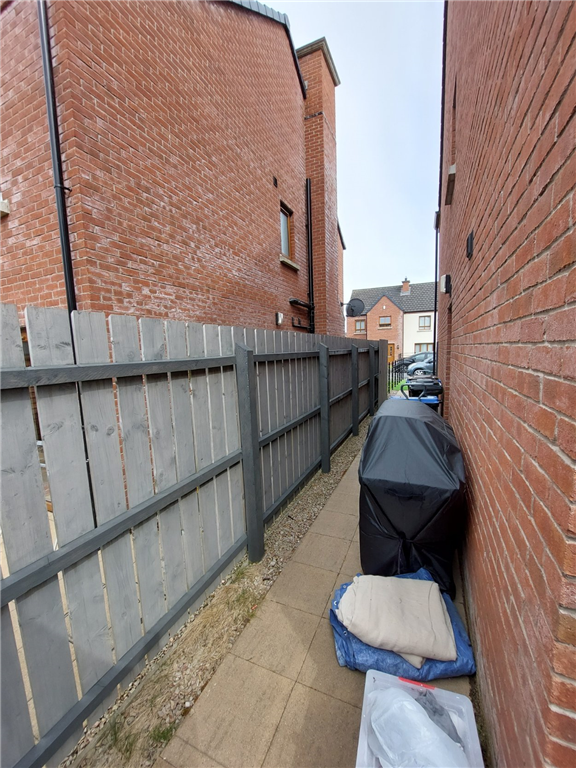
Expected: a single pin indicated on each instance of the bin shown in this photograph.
(412, 506)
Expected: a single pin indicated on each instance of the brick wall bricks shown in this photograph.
(174, 120)
(320, 127)
(508, 357)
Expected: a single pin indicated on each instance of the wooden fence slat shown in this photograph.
(202, 429)
(60, 419)
(308, 401)
(27, 537)
(264, 420)
(233, 432)
(102, 440)
(215, 391)
(61, 426)
(177, 348)
(280, 410)
(301, 385)
(273, 411)
(218, 424)
(136, 444)
(295, 406)
(16, 727)
(287, 410)
(163, 459)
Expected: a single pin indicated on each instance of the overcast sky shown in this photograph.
(389, 59)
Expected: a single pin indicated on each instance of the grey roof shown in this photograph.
(321, 45)
(420, 298)
(281, 18)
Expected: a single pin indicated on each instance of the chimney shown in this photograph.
(405, 287)
(321, 78)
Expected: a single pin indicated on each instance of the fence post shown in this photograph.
(372, 371)
(246, 381)
(324, 373)
(383, 366)
(355, 393)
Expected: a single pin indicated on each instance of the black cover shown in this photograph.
(412, 507)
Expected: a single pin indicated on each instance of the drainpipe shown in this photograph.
(435, 358)
(56, 156)
(437, 219)
(310, 254)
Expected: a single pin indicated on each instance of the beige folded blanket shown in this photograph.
(406, 616)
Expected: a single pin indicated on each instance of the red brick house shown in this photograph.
(188, 131)
(507, 356)
(402, 314)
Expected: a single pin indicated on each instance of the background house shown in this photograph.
(508, 359)
(188, 131)
(402, 314)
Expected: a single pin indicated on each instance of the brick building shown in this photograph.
(507, 355)
(187, 131)
(402, 314)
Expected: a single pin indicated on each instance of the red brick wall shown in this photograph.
(512, 382)
(320, 126)
(174, 119)
(31, 256)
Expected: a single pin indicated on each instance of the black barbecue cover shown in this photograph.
(412, 506)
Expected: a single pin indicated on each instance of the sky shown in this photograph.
(389, 59)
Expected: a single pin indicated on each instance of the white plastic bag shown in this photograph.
(401, 734)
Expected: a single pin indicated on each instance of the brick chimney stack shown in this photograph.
(321, 79)
(405, 286)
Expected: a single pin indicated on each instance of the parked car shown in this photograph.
(419, 357)
(421, 368)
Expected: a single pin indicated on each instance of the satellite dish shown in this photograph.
(354, 308)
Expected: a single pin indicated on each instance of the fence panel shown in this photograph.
(146, 475)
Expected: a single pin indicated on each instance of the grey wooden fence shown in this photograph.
(139, 460)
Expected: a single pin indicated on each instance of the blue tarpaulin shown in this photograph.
(353, 653)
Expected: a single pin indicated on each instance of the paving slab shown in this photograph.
(316, 731)
(330, 523)
(277, 638)
(320, 551)
(352, 562)
(178, 754)
(342, 578)
(235, 718)
(303, 587)
(345, 504)
(322, 672)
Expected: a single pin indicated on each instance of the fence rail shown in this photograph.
(165, 448)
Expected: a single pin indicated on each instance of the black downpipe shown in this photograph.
(437, 223)
(56, 156)
(61, 203)
(435, 358)
(310, 255)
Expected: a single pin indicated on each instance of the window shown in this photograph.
(386, 320)
(423, 348)
(424, 323)
(360, 326)
(285, 231)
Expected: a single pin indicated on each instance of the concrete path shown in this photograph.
(280, 699)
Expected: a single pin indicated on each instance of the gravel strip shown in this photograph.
(145, 716)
